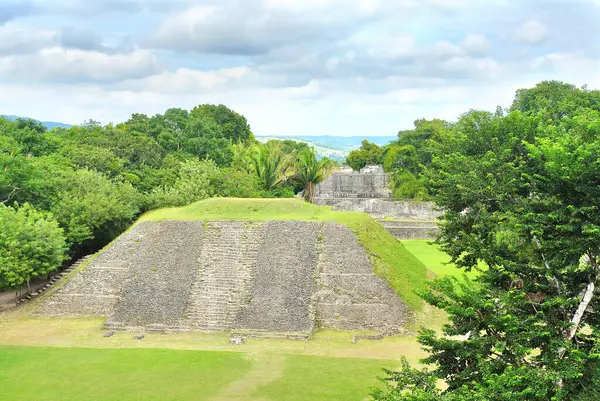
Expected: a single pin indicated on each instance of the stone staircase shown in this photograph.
(284, 281)
(159, 279)
(411, 229)
(224, 279)
(92, 292)
(55, 279)
(351, 296)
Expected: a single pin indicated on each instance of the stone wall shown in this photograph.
(157, 289)
(260, 278)
(411, 229)
(371, 182)
(367, 191)
(225, 274)
(350, 296)
(96, 290)
(400, 210)
(284, 279)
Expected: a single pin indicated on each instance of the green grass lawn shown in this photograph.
(40, 373)
(391, 260)
(435, 259)
(317, 378)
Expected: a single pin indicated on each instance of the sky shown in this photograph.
(292, 67)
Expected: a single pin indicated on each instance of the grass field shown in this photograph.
(40, 373)
(391, 260)
(69, 359)
(435, 259)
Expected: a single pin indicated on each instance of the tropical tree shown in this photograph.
(310, 172)
(270, 165)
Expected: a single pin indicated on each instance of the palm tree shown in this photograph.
(311, 172)
(269, 164)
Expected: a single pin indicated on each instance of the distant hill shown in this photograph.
(47, 124)
(344, 143)
(333, 147)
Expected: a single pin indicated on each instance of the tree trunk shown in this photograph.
(28, 287)
(583, 305)
(309, 192)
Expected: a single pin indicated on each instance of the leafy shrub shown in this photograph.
(31, 244)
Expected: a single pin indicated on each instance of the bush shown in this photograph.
(406, 185)
(92, 207)
(31, 244)
(195, 181)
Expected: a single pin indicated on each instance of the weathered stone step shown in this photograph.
(411, 229)
(56, 278)
(228, 256)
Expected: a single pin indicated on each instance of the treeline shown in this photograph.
(407, 158)
(68, 192)
(520, 191)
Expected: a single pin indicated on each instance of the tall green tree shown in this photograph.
(553, 100)
(368, 154)
(193, 183)
(233, 126)
(91, 207)
(520, 192)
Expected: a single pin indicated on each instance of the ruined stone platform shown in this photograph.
(272, 279)
(411, 229)
(367, 191)
(353, 187)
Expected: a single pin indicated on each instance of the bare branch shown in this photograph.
(583, 304)
(585, 301)
(11, 194)
(554, 279)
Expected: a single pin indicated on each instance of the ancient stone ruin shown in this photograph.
(367, 191)
(282, 278)
(353, 186)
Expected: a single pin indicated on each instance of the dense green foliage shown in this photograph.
(31, 245)
(96, 180)
(368, 154)
(520, 192)
(405, 158)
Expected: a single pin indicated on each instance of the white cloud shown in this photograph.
(18, 39)
(297, 5)
(250, 28)
(532, 31)
(62, 65)
(447, 49)
(186, 80)
(573, 68)
(353, 67)
(475, 44)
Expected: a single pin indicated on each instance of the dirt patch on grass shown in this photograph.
(266, 368)
(80, 332)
